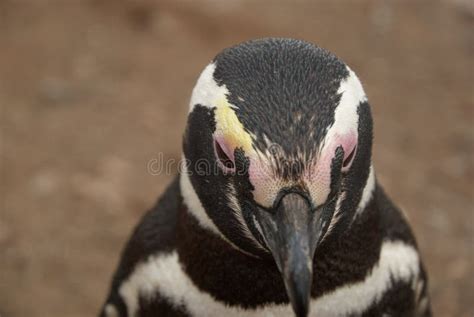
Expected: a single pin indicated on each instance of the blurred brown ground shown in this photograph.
(90, 91)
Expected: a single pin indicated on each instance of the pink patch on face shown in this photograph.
(318, 176)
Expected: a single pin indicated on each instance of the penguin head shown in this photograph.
(277, 153)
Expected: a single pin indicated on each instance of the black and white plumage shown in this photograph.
(276, 210)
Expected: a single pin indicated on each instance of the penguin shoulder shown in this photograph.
(152, 238)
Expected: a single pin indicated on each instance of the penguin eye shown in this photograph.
(346, 164)
(223, 158)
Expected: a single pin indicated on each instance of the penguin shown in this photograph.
(276, 209)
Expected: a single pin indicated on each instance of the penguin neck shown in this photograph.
(221, 269)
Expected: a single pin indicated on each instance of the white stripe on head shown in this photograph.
(207, 91)
(164, 275)
(343, 132)
(346, 118)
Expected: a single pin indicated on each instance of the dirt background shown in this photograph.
(91, 91)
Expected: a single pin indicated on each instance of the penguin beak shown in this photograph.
(291, 233)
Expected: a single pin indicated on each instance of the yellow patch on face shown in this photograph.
(230, 128)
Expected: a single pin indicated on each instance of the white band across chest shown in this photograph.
(164, 275)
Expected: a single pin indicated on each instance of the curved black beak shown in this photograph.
(291, 233)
